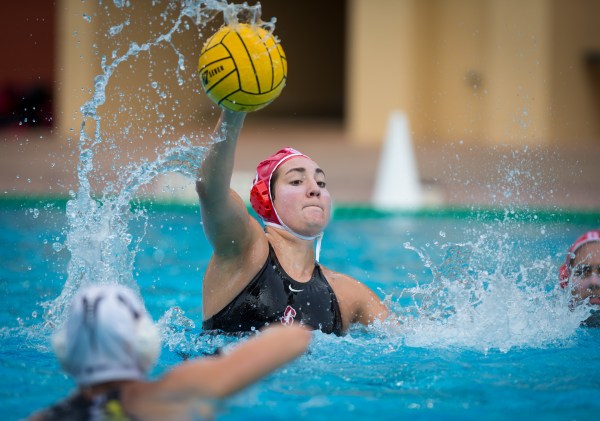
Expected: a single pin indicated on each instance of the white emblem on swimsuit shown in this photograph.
(288, 316)
(294, 290)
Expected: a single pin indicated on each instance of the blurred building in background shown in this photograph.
(492, 71)
(481, 71)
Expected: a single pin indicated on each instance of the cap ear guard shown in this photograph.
(59, 344)
(147, 343)
(261, 200)
(563, 275)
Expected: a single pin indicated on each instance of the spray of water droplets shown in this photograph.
(101, 247)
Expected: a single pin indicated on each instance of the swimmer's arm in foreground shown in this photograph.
(224, 375)
(188, 388)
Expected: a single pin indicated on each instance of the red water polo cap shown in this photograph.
(260, 194)
(565, 270)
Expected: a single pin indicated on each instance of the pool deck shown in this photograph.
(35, 162)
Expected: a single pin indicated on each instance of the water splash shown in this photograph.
(463, 304)
(97, 234)
(487, 293)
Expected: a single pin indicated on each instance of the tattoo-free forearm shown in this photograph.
(214, 175)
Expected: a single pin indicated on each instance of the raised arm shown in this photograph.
(225, 219)
(224, 375)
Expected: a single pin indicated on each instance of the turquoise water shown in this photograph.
(486, 334)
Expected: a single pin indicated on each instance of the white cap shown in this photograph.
(108, 336)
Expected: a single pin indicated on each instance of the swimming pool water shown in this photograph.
(484, 337)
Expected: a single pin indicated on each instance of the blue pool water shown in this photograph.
(486, 334)
(485, 331)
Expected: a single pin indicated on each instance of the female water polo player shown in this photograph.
(262, 277)
(582, 270)
(108, 344)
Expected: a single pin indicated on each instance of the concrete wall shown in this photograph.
(487, 71)
(493, 71)
(76, 65)
(575, 70)
(133, 107)
(312, 36)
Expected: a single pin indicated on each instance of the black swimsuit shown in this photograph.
(274, 297)
(79, 408)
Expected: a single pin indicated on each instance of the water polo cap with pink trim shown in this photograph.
(565, 270)
(261, 198)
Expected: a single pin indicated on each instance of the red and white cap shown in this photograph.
(261, 198)
(565, 270)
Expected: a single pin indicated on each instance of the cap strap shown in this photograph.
(318, 237)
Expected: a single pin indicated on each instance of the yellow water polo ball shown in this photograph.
(242, 67)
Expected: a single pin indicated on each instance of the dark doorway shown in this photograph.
(312, 33)
(27, 30)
